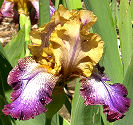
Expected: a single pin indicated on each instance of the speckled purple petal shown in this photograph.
(32, 87)
(112, 97)
(7, 9)
(52, 10)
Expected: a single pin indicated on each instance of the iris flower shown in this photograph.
(61, 50)
(23, 7)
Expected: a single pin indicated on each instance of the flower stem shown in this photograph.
(25, 21)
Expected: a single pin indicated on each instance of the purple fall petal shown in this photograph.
(7, 9)
(32, 87)
(52, 10)
(112, 97)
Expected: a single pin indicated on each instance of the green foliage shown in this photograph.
(115, 11)
(56, 104)
(118, 66)
(5, 67)
(16, 48)
(1, 1)
(42, 120)
(81, 114)
(44, 12)
(131, 6)
(56, 4)
(126, 35)
(72, 4)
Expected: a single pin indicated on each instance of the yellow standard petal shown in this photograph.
(66, 44)
(90, 53)
(74, 48)
(40, 37)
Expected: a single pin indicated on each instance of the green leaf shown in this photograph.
(41, 120)
(68, 105)
(109, 1)
(38, 120)
(44, 12)
(132, 10)
(58, 120)
(106, 29)
(2, 53)
(125, 30)
(115, 12)
(4, 119)
(4, 69)
(1, 2)
(15, 49)
(58, 99)
(72, 4)
(57, 4)
(62, 121)
(24, 21)
(81, 114)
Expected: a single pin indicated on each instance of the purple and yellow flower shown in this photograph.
(27, 7)
(62, 49)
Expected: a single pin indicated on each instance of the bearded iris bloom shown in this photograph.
(62, 49)
(25, 7)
